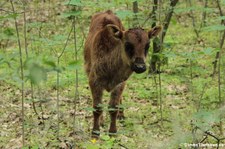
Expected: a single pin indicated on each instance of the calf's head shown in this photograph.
(136, 44)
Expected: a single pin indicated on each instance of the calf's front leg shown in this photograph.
(113, 106)
(120, 115)
(97, 113)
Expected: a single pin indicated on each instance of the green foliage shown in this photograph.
(74, 3)
(71, 13)
(108, 141)
(36, 72)
(125, 14)
(206, 119)
(91, 146)
(193, 8)
(74, 65)
(8, 16)
(214, 28)
(8, 32)
(104, 142)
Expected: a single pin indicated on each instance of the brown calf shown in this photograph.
(111, 54)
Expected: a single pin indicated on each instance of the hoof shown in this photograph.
(112, 134)
(95, 134)
(121, 116)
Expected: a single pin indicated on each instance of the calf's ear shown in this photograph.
(154, 31)
(115, 30)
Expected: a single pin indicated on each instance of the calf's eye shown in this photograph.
(146, 48)
(129, 48)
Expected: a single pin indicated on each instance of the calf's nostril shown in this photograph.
(140, 66)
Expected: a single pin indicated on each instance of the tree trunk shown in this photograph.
(157, 45)
(135, 10)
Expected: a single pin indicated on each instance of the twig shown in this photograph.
(32, 97)
(81, 28)
(217, 139)
(201, 96)
(25, 29)
(191, 15)
(160, 97)
(27, 55)
(218, 57)
(152, 15)
(42, 114)
(8, 11)
(67, 40)
(191, 77)
(159, 121)
(149, 17)
(219, 88)
(210, 134)
(203, 23)
(122, 146)
(57, 80)
(76, 95)
(21, 73)
(204, 139)
(221, 41)
(168, 18)
(195, 140)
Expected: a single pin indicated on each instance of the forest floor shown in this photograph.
(142, 128)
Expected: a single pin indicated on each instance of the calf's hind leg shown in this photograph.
(113, 106)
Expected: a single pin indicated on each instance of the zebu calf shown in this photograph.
(111, 55)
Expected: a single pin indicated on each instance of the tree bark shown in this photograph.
(157, 45)
(135, 10)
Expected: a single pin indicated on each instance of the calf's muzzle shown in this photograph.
(139, 65)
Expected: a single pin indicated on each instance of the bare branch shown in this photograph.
(221, 41)
(21, 73)
(168, 18)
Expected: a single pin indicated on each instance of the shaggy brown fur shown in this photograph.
(111, 54)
